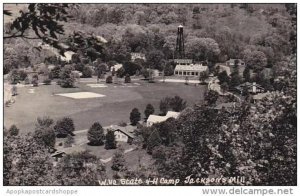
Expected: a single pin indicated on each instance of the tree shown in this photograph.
(256, 60)
(43, 20)
(110, 140)
(203, 76)
(80, 169)
(164, 105)
(201, 49)
(235, 79)
(167, 131)
(26, 163)
(13, 130)
(246, 74)
(44, 132)
(67, 79)
(96, 135)
(223, 77)
(135, 116)
(168, 69)
(224, 87)
(177, 104)
(118, 161)
(63, 127)
(211, 97)
(149, 110)
(153, 141)
(155, 59)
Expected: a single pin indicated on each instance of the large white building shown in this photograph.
(189, 70)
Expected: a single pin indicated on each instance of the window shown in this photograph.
(193, 73)
(184, 73)
(176, 72)
(196, 73)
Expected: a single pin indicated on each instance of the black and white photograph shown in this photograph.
(150, 94)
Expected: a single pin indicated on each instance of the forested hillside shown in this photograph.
(236, 29)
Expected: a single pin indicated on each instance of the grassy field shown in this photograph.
(114, 108)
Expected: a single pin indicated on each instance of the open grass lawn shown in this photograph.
(114, 108)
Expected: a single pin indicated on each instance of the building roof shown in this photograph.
(116, 66)
(183, 61)
(101, 39)
(231, 61)
(128, 130)
(191, 67)
(57, 153)
(224, 67)
(248, 84)
(68, 56)
(137, 55)
(156, 119)
(171, 114)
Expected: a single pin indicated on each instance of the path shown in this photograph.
(110, 158)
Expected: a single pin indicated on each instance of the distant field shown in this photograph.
(115, 107)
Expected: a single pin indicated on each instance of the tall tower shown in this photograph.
(180, 43)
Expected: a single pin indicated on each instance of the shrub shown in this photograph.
(96, 135)
(109, 79)
(118, 161)
(47, 81)
(22, 75)
(35, 80)
(26, 81)
(63, 127)
(87, 72)
(13, 130)
(127, 79)
(55, 72)
(211, 97)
